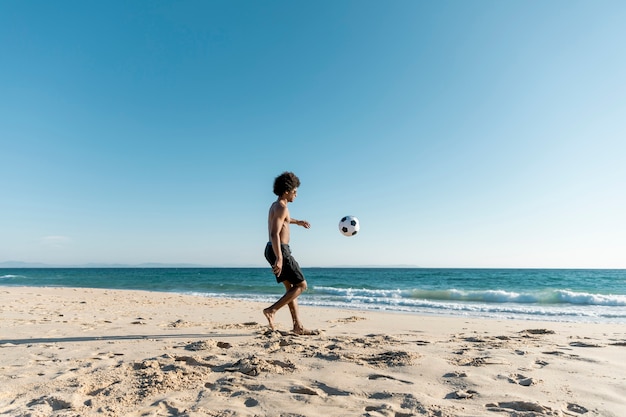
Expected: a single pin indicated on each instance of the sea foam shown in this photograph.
(485, 296)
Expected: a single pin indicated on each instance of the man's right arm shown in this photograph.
(276, 224)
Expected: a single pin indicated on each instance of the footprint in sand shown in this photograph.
(520, 406)
(408, 402)
(379, 376)
(522, 380)
(461, 395)
(350, 319)
(251, 402)
(237, 326)
(575, 408)
(537, 331)
(207, 345)
(455, 374)
(180, 323)
(254, 365)
(585, 345)
(331, 391)
(304, 390)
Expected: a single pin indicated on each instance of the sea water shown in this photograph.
(533, 294)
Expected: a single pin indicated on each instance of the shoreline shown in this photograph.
(83, 351)
(431, 312)
(544, 295)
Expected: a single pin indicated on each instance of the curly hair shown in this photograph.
(287, 181)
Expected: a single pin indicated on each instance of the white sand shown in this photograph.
(87, 352)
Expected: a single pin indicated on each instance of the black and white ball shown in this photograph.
(349, 226)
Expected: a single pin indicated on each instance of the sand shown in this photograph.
(87, 352)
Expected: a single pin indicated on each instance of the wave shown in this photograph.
(11, 276)
(500, 311)
(545, 297)
(552, 312)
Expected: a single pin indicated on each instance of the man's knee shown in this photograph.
(301, 285)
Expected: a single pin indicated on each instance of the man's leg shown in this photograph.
(293, 291)
(295, 317)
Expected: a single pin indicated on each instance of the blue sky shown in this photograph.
(460, 133)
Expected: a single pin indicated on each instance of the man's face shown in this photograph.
(291, 195)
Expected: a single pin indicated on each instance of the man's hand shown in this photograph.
(304, 224)
(277, 268)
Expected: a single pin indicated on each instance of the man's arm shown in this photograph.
(302, 223)
(278, 219)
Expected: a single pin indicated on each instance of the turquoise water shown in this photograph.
(539, 294)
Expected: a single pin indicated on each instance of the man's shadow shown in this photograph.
(44, 340)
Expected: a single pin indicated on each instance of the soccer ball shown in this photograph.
(349, 226)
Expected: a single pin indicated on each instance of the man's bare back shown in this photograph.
(278, 221)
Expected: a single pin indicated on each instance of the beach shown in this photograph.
(88, 352)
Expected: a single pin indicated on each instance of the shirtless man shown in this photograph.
(278, 254)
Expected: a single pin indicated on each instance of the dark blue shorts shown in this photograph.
(291, 270)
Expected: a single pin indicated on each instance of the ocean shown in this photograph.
(529, 294)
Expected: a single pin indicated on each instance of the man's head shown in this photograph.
(286, 182)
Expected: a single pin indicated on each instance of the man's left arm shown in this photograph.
(302, 223)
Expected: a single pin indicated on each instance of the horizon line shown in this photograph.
(183, 265)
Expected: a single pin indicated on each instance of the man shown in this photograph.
(278, 254)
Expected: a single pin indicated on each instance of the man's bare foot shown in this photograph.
(301, 331)
(269, 315)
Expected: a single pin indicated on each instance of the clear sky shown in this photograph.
(460, 133)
